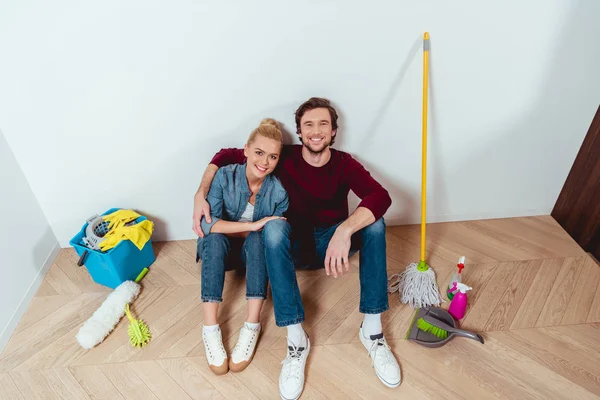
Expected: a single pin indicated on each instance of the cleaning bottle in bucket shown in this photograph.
(455, 278)
(458, 306)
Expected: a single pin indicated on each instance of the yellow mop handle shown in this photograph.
(424, 155)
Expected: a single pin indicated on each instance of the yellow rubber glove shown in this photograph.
(139, 234)
(120, 217)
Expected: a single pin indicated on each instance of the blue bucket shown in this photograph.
(124, 262)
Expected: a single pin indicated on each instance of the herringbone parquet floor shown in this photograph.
(536, 300)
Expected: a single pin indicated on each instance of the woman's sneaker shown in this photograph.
(243, 352)
(383, 360)
(215, 351)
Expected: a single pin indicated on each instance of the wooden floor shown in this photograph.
(536, 300)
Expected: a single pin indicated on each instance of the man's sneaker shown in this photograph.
(382, 359)
(244, 349)
(215, 352)
(291, 379)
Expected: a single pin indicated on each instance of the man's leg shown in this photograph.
(287, 304)
(371, 243)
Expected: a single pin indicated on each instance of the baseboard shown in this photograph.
(31, 291)
(390, 220)
(432, 219)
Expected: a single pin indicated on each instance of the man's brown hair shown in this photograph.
(311, 104)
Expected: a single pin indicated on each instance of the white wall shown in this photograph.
(27, 244)
(122, 104)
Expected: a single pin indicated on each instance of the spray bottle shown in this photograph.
(456, 278)
(458, 306)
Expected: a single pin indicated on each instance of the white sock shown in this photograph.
(210, 328)
(252, 325)
(372, 325)
(296, 335)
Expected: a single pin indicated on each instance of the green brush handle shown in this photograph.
(458, 332)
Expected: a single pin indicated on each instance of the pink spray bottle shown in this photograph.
(458, 306)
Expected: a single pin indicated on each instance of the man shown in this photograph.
(318, 180)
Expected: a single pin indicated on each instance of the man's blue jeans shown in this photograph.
(214, 251)
(370, 241)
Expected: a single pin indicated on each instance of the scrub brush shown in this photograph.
(443, 330)
(139, 334)
(434, 330)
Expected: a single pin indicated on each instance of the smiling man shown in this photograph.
(319, 226)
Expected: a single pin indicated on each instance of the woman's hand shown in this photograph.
(258, 225)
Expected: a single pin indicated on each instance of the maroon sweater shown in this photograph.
(319, 195)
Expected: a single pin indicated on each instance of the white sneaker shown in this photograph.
(291, 379)
(215, 351)
(243, 352)
(383, 360)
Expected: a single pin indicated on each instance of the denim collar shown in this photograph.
(242, 182)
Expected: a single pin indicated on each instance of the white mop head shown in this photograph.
(417, 288)
(106, 317)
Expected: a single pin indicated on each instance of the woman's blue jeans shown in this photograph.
(214, 251)
(371, 243)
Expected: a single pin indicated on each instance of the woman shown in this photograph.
(242, 198)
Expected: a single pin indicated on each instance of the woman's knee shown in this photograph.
(275, 232)
(215, 238)
(213, 243)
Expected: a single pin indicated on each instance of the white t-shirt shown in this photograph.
(248, 213)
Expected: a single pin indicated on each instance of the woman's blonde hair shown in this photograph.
(268, 128)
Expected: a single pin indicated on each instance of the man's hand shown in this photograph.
(201, 208)
(336, 256)
(258, 225)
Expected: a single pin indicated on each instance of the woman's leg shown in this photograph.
(211, 311)
(254, 308)
(215, 248)
(253, 256)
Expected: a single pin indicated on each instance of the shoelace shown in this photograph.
(245, 338)
(215, 344)
(377, 345)
(293, 361)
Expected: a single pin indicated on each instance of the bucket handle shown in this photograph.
(82, 258)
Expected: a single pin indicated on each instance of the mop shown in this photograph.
(417, 285)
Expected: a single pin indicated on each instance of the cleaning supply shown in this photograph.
(427, 326)
(110, 312)
(458, 306)
(122, 259)
(139, 334)
(434, 327)
(456, 278)
(120, 217)
(94, 232)
(138, 234)
(442, 330)
(417, 284)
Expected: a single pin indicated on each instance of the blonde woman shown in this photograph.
(242, 198)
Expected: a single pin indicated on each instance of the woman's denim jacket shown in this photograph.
(229, 195)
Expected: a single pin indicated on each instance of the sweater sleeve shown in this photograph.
(228, 156)
(373, 196)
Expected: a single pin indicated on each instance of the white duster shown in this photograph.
(106, 317)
